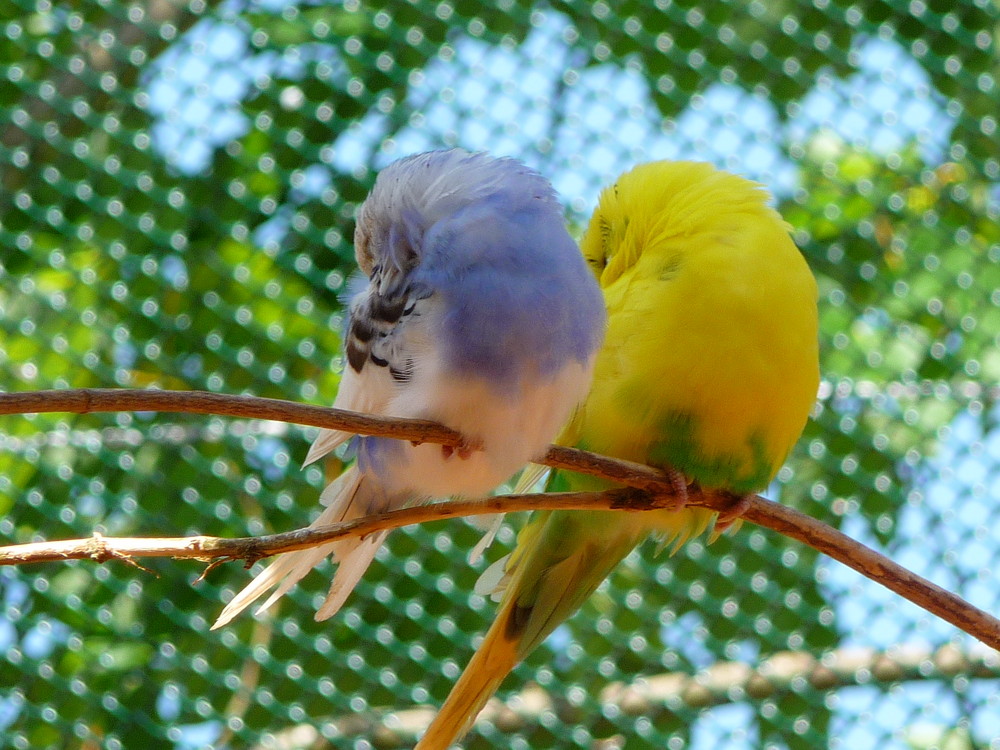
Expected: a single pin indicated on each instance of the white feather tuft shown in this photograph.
(493, 580)
(342, 498)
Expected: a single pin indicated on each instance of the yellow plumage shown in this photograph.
(709, 366)
(711, 322)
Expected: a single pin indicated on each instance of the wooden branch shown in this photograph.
(788, 521)
(92, 400)
(100, 548)
(726, 682)
(666, 694)
(649, 489)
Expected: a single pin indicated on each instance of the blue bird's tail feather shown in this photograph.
(346, 498)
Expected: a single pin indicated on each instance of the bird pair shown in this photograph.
(481, 313)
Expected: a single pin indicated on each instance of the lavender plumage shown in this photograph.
(480, 313)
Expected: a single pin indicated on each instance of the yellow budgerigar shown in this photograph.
(710, 366)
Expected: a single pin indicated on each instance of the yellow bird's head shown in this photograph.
(655, 202)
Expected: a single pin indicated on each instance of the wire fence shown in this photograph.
(177, 189)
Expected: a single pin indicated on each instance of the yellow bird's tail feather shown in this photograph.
(556, 566)
(493, 661)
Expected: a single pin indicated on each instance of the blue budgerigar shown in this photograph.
(478, 312)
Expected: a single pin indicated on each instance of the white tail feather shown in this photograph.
(345, 499)
(489, 534)
(325, 442)
(493, 581)
(530, 477)
(353, 563)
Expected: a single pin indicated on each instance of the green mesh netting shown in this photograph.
(177, 188)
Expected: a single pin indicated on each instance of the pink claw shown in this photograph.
(732, 514)
(679, 482)
(463, 451)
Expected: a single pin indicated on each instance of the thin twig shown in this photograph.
(649, 489)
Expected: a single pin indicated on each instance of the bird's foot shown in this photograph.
(733, 513)
(679, 483)
(463, 451)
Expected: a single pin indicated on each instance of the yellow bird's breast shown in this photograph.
(710, 363)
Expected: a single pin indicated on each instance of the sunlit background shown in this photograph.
(177, 190)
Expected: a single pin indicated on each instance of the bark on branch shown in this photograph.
(648, 489)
